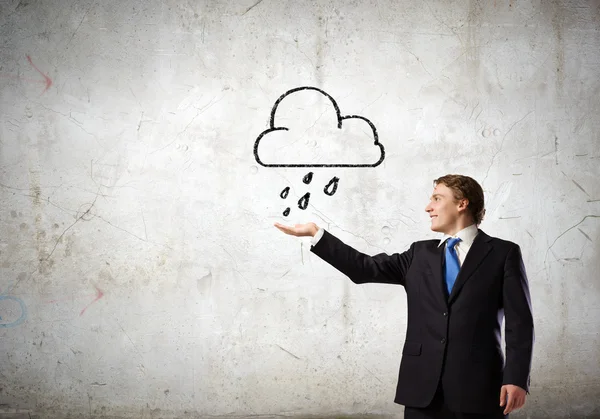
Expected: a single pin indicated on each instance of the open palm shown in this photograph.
(299, 230)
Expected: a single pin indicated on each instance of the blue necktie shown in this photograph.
(452, 265)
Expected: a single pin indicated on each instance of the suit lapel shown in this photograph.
(477, 253)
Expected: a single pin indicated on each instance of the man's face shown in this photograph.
(444, 210)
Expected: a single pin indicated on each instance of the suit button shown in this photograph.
(443, 341)
(445, 313)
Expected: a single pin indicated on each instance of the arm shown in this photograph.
(519, 331)
(359, 267)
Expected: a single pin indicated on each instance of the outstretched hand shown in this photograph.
(299, 230)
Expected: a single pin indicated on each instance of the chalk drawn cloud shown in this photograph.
(12, 311)
(308, 130)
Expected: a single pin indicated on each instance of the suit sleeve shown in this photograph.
(361, 268)
(519, 331)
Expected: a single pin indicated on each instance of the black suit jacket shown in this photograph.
(455, 338)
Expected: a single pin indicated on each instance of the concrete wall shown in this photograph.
(141, 275)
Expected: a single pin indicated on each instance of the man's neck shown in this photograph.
(458, 227)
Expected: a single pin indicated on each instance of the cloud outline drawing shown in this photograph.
(23, 316)
(340, 119)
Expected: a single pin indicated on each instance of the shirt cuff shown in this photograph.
(315, 239)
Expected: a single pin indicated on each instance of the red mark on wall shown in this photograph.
(99, 295)
(47, 80)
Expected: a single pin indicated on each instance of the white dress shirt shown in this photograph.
(314, 239)
(467, 236)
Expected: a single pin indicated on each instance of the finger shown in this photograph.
(502, 396)
(510, 404)
(518, 405)
(507, 403)
(285, 229)
(521, 402)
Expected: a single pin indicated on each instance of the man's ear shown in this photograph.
(463, 204)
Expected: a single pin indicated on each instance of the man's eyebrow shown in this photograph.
(436, 195)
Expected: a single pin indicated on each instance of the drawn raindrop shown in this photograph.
(332, 186)
(308, 178)
(303, 202)
(284, 194)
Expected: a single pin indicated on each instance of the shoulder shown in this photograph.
(498, 242)
(426, 244)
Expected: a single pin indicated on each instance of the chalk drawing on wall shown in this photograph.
(12, 311)
(273, 127)
(329, 190)
(359, 123)
(47, 81)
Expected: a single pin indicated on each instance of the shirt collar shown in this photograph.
(466, 235)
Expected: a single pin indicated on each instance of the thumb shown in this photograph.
(503, 396)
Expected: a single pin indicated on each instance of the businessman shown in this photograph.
(459, 290)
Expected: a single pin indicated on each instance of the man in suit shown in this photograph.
(459, 290)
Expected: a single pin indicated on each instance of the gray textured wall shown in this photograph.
(140, 272)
